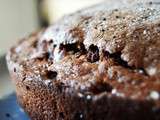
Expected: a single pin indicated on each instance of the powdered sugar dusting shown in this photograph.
(152, 70)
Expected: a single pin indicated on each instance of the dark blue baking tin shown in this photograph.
(10, 110)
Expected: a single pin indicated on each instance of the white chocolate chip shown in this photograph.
(47, 82)
(144, 32)
(120, 94)
(121, 79)
(151, 71)
(110, 73)
(101, 68)
(89, 97)
(80, 95)
(114, 91)
(140, 71)
(81, 116)
(154, 95)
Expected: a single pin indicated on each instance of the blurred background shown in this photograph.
(19, 18)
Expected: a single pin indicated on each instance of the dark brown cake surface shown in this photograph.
(100, 63)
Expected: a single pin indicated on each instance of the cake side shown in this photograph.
(52, 99)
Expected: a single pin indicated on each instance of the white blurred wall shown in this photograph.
(17, 19)
(59, 8)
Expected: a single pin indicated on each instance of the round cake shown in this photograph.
(100, 63)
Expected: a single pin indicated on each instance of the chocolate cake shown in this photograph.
(100, 63)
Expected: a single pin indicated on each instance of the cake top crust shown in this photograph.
(132, 29)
